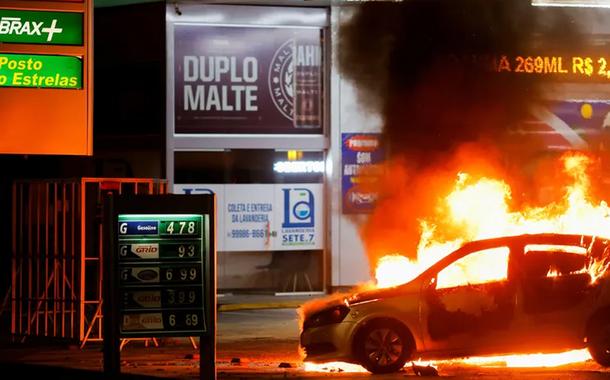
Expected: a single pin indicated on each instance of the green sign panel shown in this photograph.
(34, 27)
(155, 250)
(42, 71)
(161, 274)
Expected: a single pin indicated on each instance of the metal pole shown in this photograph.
(207, 347)
(82, 320)
(54, 257)
(73, 298)
(38, 296)
(30, 255)
(100, 280)
(64, 208)
(207, 355)
(112, 354)
(14, 263)
(21, 257)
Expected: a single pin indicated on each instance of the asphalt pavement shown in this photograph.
(252, 344)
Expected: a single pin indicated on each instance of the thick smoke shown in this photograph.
(427, 68)
(423, 66)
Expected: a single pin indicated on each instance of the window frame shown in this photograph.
(472, 252)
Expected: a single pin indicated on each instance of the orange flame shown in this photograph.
(508, 361)
(480, 209)
(531, 360)
(553, 273)
(333, 367)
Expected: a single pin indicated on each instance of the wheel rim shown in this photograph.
(383, 346)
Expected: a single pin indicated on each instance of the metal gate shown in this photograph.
(57, 261)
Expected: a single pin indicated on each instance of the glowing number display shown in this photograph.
(594, 67)
(161, 274)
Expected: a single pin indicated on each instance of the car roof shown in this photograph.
(542, 239)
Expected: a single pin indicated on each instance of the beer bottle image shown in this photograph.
(307, 83)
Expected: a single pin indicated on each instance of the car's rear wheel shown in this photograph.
(384, 346)
(599, 343)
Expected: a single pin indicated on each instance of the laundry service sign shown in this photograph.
(263, 217)
(236, 79)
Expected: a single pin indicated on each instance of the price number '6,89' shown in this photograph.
(183, 320)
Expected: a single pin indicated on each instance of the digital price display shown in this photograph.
(161, 274)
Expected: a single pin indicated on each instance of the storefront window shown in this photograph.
(249, 166)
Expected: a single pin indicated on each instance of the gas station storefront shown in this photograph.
(247, 120)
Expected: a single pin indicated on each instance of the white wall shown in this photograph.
(348, 259)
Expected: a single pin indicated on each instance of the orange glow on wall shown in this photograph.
(43, 120)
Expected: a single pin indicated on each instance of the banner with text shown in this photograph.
(40, 71)
(231, 79)
(35, 27)
(361, 157)
(269, 217)
(217, 189)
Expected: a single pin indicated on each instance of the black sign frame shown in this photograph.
(158, 205)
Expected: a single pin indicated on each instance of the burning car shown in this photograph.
(539, 293)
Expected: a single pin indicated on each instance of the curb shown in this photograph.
(257, 306)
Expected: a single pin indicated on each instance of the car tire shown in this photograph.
(599, 343)
(383, 346)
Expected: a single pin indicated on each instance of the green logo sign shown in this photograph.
(44, 71)
(33, 27)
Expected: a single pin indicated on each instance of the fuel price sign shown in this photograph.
(161, 274)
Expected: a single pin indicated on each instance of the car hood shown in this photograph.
(384, 293)
(315, 306)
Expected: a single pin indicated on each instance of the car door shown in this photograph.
(467, 307)
(556, 294)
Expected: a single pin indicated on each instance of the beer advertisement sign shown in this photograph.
(234, 79)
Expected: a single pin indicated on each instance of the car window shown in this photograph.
(479, 267)
(555, 277)
(553, 260)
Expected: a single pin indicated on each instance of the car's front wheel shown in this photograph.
(599, 343)
(383, 346)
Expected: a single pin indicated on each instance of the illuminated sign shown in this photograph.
(41, 71)
(361, 158)
(34, 27)
(572, 3)
(568, 67)
(161, 273)
(299, 167)
(46, 64)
